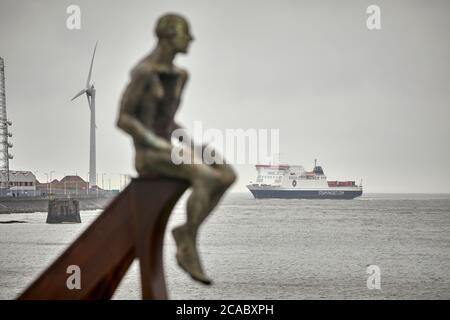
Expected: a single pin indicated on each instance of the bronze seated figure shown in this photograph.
(147, 112)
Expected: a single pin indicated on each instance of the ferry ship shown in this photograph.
(294, 182)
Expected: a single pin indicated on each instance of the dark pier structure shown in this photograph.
(63, 211)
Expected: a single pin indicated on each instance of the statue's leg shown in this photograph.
(204, 197)
(208, 185)
(227, 178)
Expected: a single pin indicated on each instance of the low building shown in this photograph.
(19, 180)
(73, 183)
(67, 185)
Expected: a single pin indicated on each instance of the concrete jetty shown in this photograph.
(63, 211)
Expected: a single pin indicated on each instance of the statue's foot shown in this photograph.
(187, 256)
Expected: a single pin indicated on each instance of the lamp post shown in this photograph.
(46, 174)
(51, 180)
(65, 189)
(96, 186)
(35, 180)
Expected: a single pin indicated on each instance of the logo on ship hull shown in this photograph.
(331, 193)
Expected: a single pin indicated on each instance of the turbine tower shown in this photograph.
(90, 95)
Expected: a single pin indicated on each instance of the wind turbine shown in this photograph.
(90, 95)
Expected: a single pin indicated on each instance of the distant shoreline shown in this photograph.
(375, 193)
(14, 205)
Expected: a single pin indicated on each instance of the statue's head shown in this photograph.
(174, 30)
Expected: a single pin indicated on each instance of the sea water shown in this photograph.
(274, 249)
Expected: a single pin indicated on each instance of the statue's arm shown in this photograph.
(183, 77)
(128, 120)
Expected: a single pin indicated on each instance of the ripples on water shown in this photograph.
(275, 249)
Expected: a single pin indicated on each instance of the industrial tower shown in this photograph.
(5, 156)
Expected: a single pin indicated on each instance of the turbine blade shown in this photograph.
(79, 94)
(92, 63)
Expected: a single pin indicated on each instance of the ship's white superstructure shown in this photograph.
(293, 181)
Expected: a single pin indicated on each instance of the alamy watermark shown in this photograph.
(373, 22)
(74, 280)
(238, 146)
(374, 279)
(73, 21)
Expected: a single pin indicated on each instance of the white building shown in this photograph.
(20, 180)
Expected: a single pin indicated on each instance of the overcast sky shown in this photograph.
(371, 105)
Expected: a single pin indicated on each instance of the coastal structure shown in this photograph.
(63, 211)
(27, 194)
(5, 134)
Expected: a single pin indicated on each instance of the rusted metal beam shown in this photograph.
(132, 226)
